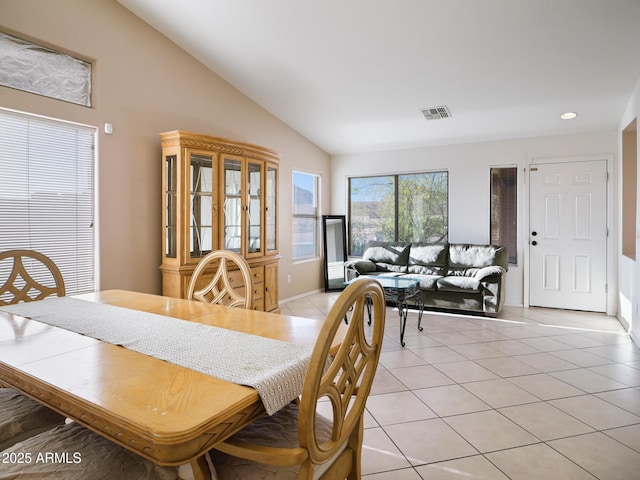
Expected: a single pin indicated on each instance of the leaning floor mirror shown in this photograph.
(335, 251)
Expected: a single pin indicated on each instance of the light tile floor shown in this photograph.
(535, 394)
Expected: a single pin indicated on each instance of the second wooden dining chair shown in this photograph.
(25, 276)
(223, 287)
(30, 276)
(297, 442)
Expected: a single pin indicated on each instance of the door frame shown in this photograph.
(612, 284)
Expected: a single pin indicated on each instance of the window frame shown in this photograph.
(76, 253)
(512, 237)
(26, 64)
(395, 179)
(314, 216)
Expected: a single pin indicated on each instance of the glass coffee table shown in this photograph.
(398, 291)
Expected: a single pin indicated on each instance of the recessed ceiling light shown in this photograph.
(568, 115)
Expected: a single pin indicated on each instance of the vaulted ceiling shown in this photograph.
(354, 75)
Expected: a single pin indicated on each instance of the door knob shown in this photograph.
(534, 233)
(534, 243)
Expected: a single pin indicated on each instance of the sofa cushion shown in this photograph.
(362, 266)
(459, 283)
(427, 282)
(388, 256)
(390, 267)
(462, 272)
(462, 255)
(428, 259)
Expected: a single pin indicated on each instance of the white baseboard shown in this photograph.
(624, 323)
(298, 297)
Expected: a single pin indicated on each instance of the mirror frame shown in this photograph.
(339, 249)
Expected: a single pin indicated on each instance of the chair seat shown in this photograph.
(21, 417)
(278, 430)
(82, 455)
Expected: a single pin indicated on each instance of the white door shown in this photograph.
(568, 235)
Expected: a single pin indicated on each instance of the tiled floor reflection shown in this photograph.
(535, 394)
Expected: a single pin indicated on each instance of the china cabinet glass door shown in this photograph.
(171, 205)
(232, 209)
(254, 207)
(201, 211)
(271, 199)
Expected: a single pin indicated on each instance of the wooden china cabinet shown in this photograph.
(219, 194)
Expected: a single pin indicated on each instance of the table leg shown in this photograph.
(200, 468)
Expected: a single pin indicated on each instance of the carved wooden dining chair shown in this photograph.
(297, 441)
(25, 276)
(30, 276)
(225, 286)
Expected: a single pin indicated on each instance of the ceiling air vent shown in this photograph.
(436, 113)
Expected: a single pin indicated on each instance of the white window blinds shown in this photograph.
(47, 193)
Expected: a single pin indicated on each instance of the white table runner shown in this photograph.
(276, 369)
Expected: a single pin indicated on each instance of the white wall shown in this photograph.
(629, 269)
(468, 166)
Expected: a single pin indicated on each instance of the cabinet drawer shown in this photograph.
(258, 304)
(257, 276)
(258, 286)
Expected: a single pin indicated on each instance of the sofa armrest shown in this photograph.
(493, 284)
(484, 272)
(358, 267)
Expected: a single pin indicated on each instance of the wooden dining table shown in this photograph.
(164, 412)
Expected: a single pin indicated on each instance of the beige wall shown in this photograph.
(143, 85)
(629, 186)
(629, 268)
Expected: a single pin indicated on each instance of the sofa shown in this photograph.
(452, 276)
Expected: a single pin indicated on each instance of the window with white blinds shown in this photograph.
(47, 193)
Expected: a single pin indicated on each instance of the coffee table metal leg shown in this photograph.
(367, 303)
(403, 311)
(403, 322)
(399, 293)
(420, 304)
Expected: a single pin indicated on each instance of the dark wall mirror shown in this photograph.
(334, 232)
